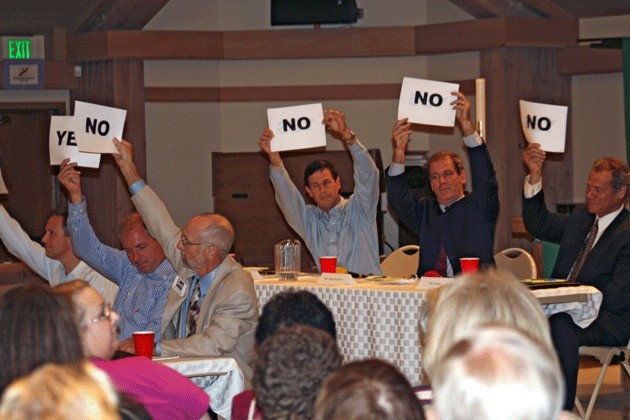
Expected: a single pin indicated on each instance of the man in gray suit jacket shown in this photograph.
(211, 308)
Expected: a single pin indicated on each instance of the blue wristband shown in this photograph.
(137, 186)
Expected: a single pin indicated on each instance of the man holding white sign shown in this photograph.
(457, 224)
(594, 250)
(140, 269)
(334, 226)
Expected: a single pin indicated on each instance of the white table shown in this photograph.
(375, 320)
(220, 377)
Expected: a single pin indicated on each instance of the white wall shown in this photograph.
(597, 124)
(236, 127)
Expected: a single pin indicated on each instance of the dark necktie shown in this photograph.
(440, 264)
(193, 310)
(590, 240)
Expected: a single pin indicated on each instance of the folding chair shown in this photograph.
(605, 356)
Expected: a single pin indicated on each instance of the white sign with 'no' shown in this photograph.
(96, 125)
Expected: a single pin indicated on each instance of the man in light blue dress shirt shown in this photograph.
(334, 226)
(141, 269)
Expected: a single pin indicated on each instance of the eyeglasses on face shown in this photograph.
(186, 243)
(106, 314)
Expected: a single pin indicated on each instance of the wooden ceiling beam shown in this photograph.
(323, 43)
(547, 8)
(120, 14)
(587, 60)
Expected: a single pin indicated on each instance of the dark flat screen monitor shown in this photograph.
(312, 12)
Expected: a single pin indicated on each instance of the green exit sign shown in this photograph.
(19, 49)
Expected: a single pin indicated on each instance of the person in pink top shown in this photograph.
(165, 393)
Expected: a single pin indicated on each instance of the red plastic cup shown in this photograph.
(143, 343)
(469, 265)
(328, 264)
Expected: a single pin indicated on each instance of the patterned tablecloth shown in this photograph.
(220, 377)
(376, 320)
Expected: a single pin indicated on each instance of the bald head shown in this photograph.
(206, 241)
(215, 229)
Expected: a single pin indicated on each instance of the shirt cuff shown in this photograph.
(137, 186)
(531, 190)
(396, 169)
(473, 140)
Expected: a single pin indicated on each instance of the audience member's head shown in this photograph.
(294, 308)
(70, 391)
(367, 390)
(56, 239)
(95, 318)
(143, 251)
(291, 367)
(475, 299)
(36, 327)
(497, 373)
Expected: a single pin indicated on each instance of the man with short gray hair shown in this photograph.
(212, 308)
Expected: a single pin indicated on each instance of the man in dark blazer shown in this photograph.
(456, 224)
(594, 250)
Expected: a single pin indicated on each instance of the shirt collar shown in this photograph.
(335, 210)
(164, 270)
(605, 221)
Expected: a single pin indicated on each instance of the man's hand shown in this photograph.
(534, 159)
(124, 160)
(335, 121)
(70, 178)
(400, 139)
(462, 113)
(265, 146)
(127, 345)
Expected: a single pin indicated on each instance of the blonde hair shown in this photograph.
(491, 296)
(69, 391)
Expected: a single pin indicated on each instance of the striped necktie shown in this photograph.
(590, 240)
(193, 310)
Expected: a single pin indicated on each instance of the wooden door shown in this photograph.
(33, 190)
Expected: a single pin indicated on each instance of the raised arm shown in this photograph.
(108, 261)
(539, 221)
(288, 197)
(153, 211)
(365, 171)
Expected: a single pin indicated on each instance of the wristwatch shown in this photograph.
(351, 138)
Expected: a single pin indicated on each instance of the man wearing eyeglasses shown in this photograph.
(211, 309)
(457, 224)
(141, 270)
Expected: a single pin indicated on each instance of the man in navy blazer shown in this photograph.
(457, 224)
(602, 261)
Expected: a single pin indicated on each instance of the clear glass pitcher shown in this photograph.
(288, 260)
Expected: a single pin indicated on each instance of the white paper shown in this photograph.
(336, 279)
(427, 102)
(3, 186)
(62, 144)
(297, 127)
(428, 283)
(96, 125)
(545, 124)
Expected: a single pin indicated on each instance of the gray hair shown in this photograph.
(498, 372)
(218, 231)
(475, 299)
